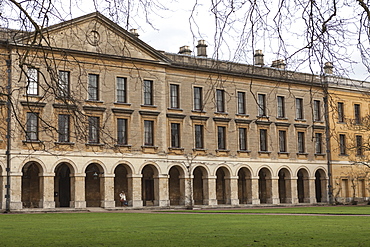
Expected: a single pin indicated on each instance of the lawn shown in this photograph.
(148, 229)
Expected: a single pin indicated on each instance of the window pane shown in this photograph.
(263, 140)
(175, 135)
(301, 146)
(317, 110)
(242, 139)
(357, 114)
(174, 96)
(281, 106)
(32, 126)
(148, 92)
(241, 102)
(261, 105)
(282, 141)
(94, 129)
(63, 127)
(198, 99)
(299, 108)
(121, 89)
(359, 145)
(220, 100)
(63, 84)
(221, 137)
(340, 112)
(122, 131)
(148, 133)
(342, 144)
(198, 136)
(32, 81)
(318, 137)
(93, 87)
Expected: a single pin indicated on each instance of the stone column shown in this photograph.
(255, 192)
(15, 190)
(275, 190)
(312, 190)
(135, 187)
(186, 190)
(47, 190)
(78, 191)
(209, 185)
(294, 189)
(233, 193)
(324, 190)
(107, 191)
(163, 195)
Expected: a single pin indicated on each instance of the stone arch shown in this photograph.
(94, 185)
(122, 182)
(100, 166)
(223, 193)
(285, 186)
(320, 186)
(150, 185)
(244, 185)
(303, 186)
(63, 184)
(176, 184)
(200, 187)
(265, 185)
(72, 166)
(31, 185)
(39, 163)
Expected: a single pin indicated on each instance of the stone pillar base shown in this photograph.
(234, 202)
(137, 203)
(275, 200)
(15, 205)
(107, 204)
(211, 202)
(47, 204)
(78, 204)
(256, 201)
(163, 203)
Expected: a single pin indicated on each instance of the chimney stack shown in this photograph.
(201, 48)
(258, 58)
(184, 50)
(134, 33)
(328, 68)
(280, 64)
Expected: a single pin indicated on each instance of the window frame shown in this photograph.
(317, 110)
(342, 144)
(64, 84)
(359, 148)
(175, 135)
(357, 113)
(148, 133)
(122, 131)
(174, 96)
(199, 136)
(32, 81)
(220, 100)
(121, 89)
(242, 136)
(280, 106)
(148, 92)
(198, 99)
(318, 143)
(93, 87)
(299, 108)
(241, 103)
(263, 147)
(94, 129)
(341, 117)
(221, 138)
(32, 126)
(282, 141)
(301, 143)
(261, 105)
(64, 128)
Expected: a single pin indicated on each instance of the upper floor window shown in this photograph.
(241, 103)
(261, 105)
(199, 136)
(121, 90)
(148, 133)
(93, 87)
(148, 92)
(301, 142)
(318, 143)
(340, 112)
(63, 84)
(342, 144)
(242, 139)
(174, 96)
(63, 128)
(357, 114)
(359, 148)
(220, 100)
(198, 98)
(316, 110)
(32, 81)
(94, 128)
(221, 137)
(121, 131)
(280, 107)
(299, 108)
(32, 126)
(175, 135)
(263, 140)
(282, 141)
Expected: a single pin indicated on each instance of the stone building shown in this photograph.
(96, 111)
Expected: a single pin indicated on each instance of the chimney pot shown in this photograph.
(258, 58)
(280, 64)
(133, 31)
(185, 50)
(328, 68)
(202, 48)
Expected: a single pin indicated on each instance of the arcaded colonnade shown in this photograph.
(165, 184)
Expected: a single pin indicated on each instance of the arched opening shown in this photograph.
(302, 186)
(62, 185)
(121, 183)
(244, 186)
(198, 186)
(92, 185)
(31, 194)
(285, 194)
(174, 182)
(320, 186)
(264, 186)
(148, 185)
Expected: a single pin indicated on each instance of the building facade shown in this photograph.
(93, 111)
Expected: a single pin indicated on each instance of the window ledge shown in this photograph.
(122, 145)
(318, 121)
(173, 148)
(244, 151)
(242, 115)
(198, 111)
(94, 101)
(281, 118)
(300, 119)
(94, 144)
(222, 150)
(153, 106)
(122, 103)
(320, 154)
(149, 146)
(174, 109)
(264, 152)
(341, 122)
(305, 154)
(64, 143)
(221, 112)
(32, 141)
(199, 149)
(33, 96)
(283, 153)
(345, 155)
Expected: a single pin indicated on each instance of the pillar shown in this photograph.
(163, 195)
(47, 191)
(255, 194)
(294, 190)
(78, 191)
(311, 190)
(209, 185)
(232, 192)
(107, 191)
(15, 191)
(186, 190)
(135, 187)
(275, 190)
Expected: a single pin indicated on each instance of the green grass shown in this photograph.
(335, 210)
(145, 229)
